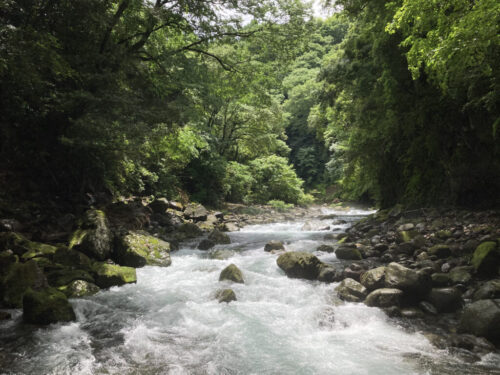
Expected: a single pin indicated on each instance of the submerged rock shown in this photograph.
(299, 265)
(46, 306)
(222, 254)
(225, 295)
(94, 238)
(232, 273)
(274, 245)
(350, 290)
(137, 249)
(108, 275)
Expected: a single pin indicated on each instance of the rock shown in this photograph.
(196, 212)
(440, 251)
(93, 238)
(445, 299)
(440, 279)
(300, 265)
(329, 237)
(486, 258)
(384, 297)
(443, 234)
(411, 313)
(350, 290)
(428, 307)
(65, 275)
(7, 259)
(329, 274)
(225, 295)
(405, 248)
(189, 230)
(71, 258)
(408, 280)
(325, 248)
(137, 249)
(108, 275)
(219, 237)
(406, 227)
(206, 244)
(482, 318)
(25, 248)
(274, 245)
(407, 235)
(232, 273)
(348, 253)
(79, 288)
(489, 290)
(230, 227)
(177, 206)
(10, 225)
(46, 306)
(222, 254)
(19, 278)
(460, 275)
(159, 205)
(374, 278)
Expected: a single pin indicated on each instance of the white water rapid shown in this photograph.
(170, 323)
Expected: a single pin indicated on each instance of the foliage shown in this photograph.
(280, 206)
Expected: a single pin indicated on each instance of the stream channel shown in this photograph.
(170, 323)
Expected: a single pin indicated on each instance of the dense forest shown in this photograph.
(251, 101)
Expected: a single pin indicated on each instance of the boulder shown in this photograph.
(222, 254)
(219, 237)
(195, 212)
(445, 299)
(79, 288)
(230, 227)
(25, 248)
(482, 318)
(46, 306)
(93, 238)
(19, 278)
(486, 258)
(325, 248)
(350, 290)
(159, 205)
(189, 230)
(274, 245)
(300, 265)
(384, 297)
(206, 244)
(225, 295)
(374, 278)
(108, 275)
(348, 253)
(489, 290)
(409, 281)
(441, 251)
(232, 273)
(329, 274)
(71, 258)
(61, 276)
(137, 249)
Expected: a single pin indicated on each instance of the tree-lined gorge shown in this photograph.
(252, 101)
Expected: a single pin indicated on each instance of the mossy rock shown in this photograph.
(219, 237)
(486, 258)
(79, 288)
(232, 273)
(300, 265)
(137, 249)
(189, 230)
(66, 275)
(441, 251)
(19, 278)
(7, 259)
(222, 254)
(93, 237)
(348, 253)
(225, 295)
(443, 234)
(46, 306)
(72, 258)
(25, 248)
(407, 235)
(108, 275)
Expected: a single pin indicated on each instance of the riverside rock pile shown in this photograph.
(439, 268)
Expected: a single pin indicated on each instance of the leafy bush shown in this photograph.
(280, 205)
(237, 183)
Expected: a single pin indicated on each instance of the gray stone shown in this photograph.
(219, 237)
(206, 244)
(350, 290)
(299, 265)
(482, 318)
(445, 299)
(384, 297)
(274, 245)
(225, 295)
(489, 290)
(348, 253)
(232, 273)
(410, 281)
(374, 278)
(325, 248)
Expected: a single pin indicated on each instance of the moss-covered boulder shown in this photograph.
(25, 248)
(188, 230)
(79, 288)
(225, 295)
(196, 212)
(348, 253)
(486, 258)
(46, 306)
(222, 254)
(7, 259)
(219, 237)
(232, 273)
(440, 251)
(93, 237)
(206, 244)
(19, 278)
(300, 265)
(137, 249)
(482, 318)
(65, 275)
(384, 297)
(325, 248)
(108, 275)
(71, 258)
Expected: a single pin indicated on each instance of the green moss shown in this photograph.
(77, 238)
(231, 273)
(25, 248)
(443, 234)
(20, 277)
(485, 257)
(78, 289)
(137, 249)
(108, 275)
(46, 306)
(66, 275)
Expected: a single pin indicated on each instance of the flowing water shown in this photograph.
(170, 323)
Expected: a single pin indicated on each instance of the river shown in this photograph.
(170, 323)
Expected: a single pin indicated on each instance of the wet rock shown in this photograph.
(232, 273)
(406, 227)
(189, 230)
(274, 245)
(206, 244)
(71, 258)
(325, 248)
(374, 278)
(108, 275)
(329, 237)
(79, 288)
(222, 254)
(440, 251)
(384, 297)
(410, 281)
(299, 265)
(46, 306)
(219, 237)
(196, 212)
(348, 253)
(62, 276)
(486, 258)
(428, 307)
(489, 290)
(93, 238)
(19, 278)
(137, 249)
(405, 248)
(329, 274)
(482, 318)
(225, 295)
(353, 272)
(445, 299)
(350, 290)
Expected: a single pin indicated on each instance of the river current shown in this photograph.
(170, 323)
